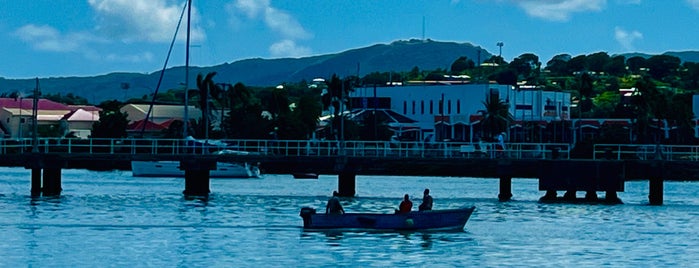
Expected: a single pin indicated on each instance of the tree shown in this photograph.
(636, 63)
(605, 104)
(207, 88)
(616, 66)
(462, 64)
(505, 77)
(577, 64)
(245, 119)
(558, 65)
(663, 65)
(690, 75)
(527, 65)
(68, 99)
(307, 113)
(597, 61)
(112, 122)
(496, 116)
(496, 60)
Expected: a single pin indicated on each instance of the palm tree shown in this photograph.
(207, 87)
(496, 116)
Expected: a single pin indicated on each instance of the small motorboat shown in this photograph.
(447, 219)
(305, 175)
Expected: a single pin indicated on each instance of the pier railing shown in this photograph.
(646, 152)
(288, 148)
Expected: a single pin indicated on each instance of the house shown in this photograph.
(78, 123)
(53, 118)
(159, 119)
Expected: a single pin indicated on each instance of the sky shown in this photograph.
(61, 38)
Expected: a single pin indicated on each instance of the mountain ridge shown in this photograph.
(398, 56)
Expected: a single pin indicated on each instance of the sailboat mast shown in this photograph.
(186, 71)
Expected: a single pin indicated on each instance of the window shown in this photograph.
(449, 107)
(458, 106)
(413, 107)
(431, 107)
(405, 107)
(422, 107)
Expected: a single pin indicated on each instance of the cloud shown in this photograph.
(143, 20)
(288, 48)
(693, 3)
(626, 39)
(47, 38)
(285, 24)
(278, 21)
(558, 10)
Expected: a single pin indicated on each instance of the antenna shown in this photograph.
(423, 28)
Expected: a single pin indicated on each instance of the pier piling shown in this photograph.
(655, 197)
(36, 182)
(197, 177)
(52, 182)
(347, 183)
(505, 189)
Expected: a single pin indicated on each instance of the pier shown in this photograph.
(606, 172)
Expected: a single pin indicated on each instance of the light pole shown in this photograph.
(500, 44)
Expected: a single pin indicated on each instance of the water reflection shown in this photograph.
(38, 200)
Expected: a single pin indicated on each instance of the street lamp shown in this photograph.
(500, 44)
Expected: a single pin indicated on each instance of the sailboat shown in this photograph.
(172, 168)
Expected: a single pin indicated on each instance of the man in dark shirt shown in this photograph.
(426, 201)
(334, 206)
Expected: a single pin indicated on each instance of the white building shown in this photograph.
(451, 112)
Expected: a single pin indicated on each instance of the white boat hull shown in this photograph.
(172, 169)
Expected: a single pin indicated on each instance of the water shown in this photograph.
(112, 219)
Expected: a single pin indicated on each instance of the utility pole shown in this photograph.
(35, 112)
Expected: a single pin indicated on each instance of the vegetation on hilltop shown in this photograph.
(663, 86)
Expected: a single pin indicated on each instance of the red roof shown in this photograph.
(168, 122)
(28, 103)
(150, 126)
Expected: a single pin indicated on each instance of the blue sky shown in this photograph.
(54, 38)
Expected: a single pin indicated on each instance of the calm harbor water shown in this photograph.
(113, 219)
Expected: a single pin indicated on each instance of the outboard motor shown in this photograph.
(306, 213)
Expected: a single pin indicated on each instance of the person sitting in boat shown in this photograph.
(334, 206)
(426, 201)
(405, 206)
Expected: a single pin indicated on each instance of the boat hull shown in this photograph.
(305, 175)
(172, 169)
(450, 219)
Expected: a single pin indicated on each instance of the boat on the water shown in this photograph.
(172, 169)
(432, 220)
